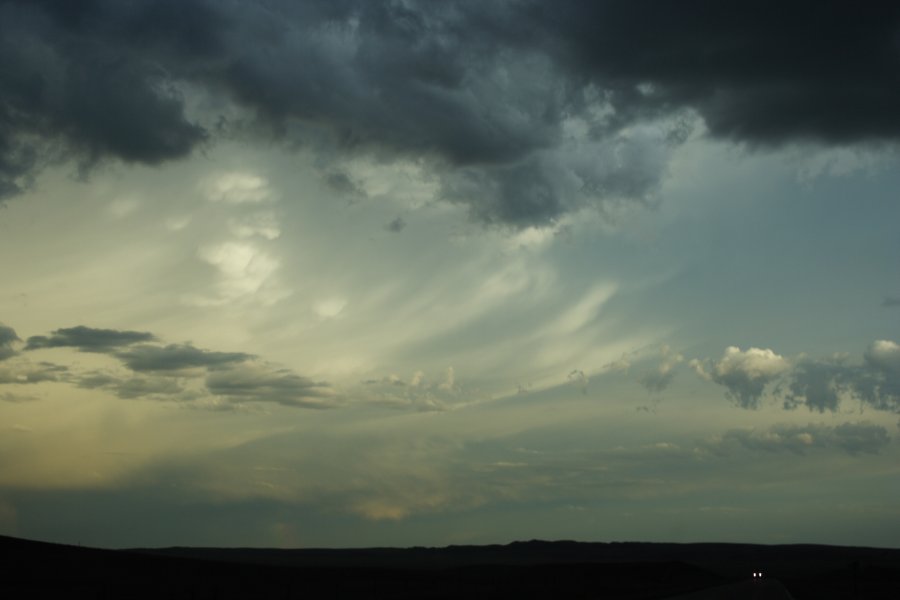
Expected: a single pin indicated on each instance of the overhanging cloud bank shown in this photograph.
(525, 111)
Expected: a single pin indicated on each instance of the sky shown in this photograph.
(352, 273)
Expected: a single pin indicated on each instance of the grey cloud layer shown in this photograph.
(132, 387)
(88, 339)
(489, 93)
(250, 383)
(176, 357)
(167, 372)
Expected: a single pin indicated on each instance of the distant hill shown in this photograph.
(535, 569)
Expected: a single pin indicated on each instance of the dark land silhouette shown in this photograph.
(534, 569)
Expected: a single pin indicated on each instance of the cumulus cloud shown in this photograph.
(744, 373)
(8, 337)
(852, 438)
(820, 384)
(884, 356)
(87, 339)
(523, 110)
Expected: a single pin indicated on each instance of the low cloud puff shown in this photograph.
(177, 357)
(819, 384)
(744, 373)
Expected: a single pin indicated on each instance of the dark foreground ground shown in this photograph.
(519, 570)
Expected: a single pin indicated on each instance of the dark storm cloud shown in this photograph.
(852, 438)
(88, 339)
(485, 92)
(87, 80)
(257, 383)
(175, 357)
(7, 338)
(755, 71)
